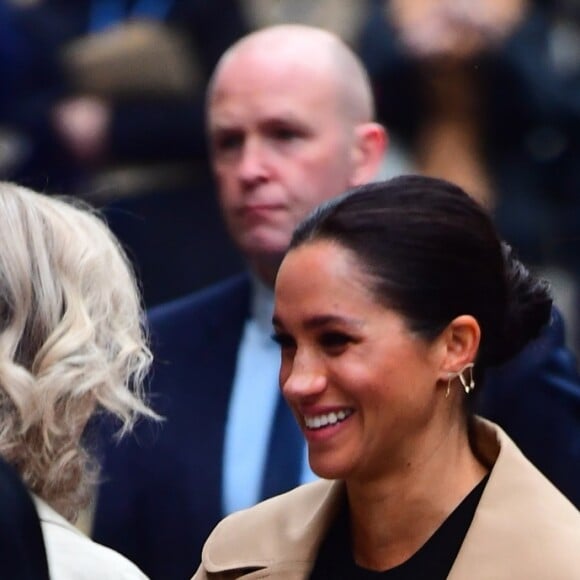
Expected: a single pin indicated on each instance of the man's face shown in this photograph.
(281, 145)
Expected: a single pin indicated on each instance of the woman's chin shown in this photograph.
(326, 468)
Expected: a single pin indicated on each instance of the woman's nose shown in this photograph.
(303, 379)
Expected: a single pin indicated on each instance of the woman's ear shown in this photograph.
(368, 151)
(461, 341)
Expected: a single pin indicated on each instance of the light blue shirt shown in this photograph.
(252, 406)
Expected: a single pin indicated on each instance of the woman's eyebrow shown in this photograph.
(321, 320)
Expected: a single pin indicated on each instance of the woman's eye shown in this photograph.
(334, 340)
(283, 340)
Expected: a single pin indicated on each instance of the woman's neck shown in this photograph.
(393, 517)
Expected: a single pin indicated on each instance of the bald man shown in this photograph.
(290, 123)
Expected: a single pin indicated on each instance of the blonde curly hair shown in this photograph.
(72, 341)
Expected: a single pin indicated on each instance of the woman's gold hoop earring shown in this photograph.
(468, 383)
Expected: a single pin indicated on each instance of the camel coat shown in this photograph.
(523, 528)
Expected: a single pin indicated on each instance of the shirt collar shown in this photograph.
(262, 306)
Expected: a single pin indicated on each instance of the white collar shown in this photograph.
(48, 514)
(262, 306)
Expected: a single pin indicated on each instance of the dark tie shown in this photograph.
(285, 450)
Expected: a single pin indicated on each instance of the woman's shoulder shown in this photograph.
(287, 510)
(73, 556)
(513, 476)
(279, 529)
(523, 526)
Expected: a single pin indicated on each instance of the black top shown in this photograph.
(22, 551)
(433, 560)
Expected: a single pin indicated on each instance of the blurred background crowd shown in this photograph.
(104, 99)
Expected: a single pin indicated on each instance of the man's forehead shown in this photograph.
(291, 94)
(275, 72)
(295, 59)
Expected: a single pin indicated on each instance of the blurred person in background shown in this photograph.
(290, 124)
(487, 93)
(124, 78)
(111, 108)
(72, 347)
(116, 94)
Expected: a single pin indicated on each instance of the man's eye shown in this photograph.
(227, 142)
(284, 134)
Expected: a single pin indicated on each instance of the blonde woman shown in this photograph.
(72, 345)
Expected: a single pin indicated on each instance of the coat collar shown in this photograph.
(280, 531)
(47, 514)
(520, 518)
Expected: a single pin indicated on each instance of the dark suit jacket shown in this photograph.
(22, 551)
(162, 493)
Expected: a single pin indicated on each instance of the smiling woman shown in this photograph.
(391, 303)
(345, 354)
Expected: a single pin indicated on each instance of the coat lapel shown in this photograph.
(295, 527)
(520, 521)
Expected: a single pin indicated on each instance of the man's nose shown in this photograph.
(253, 164)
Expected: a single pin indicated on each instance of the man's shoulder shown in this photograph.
(232, 292)
(538, 362)
(200, 331)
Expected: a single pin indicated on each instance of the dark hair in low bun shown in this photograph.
(432, 253)
(529, 306)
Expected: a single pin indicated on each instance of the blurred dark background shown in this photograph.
(104, 100)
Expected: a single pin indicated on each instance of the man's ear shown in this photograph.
(369, 149)
(461, 341)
